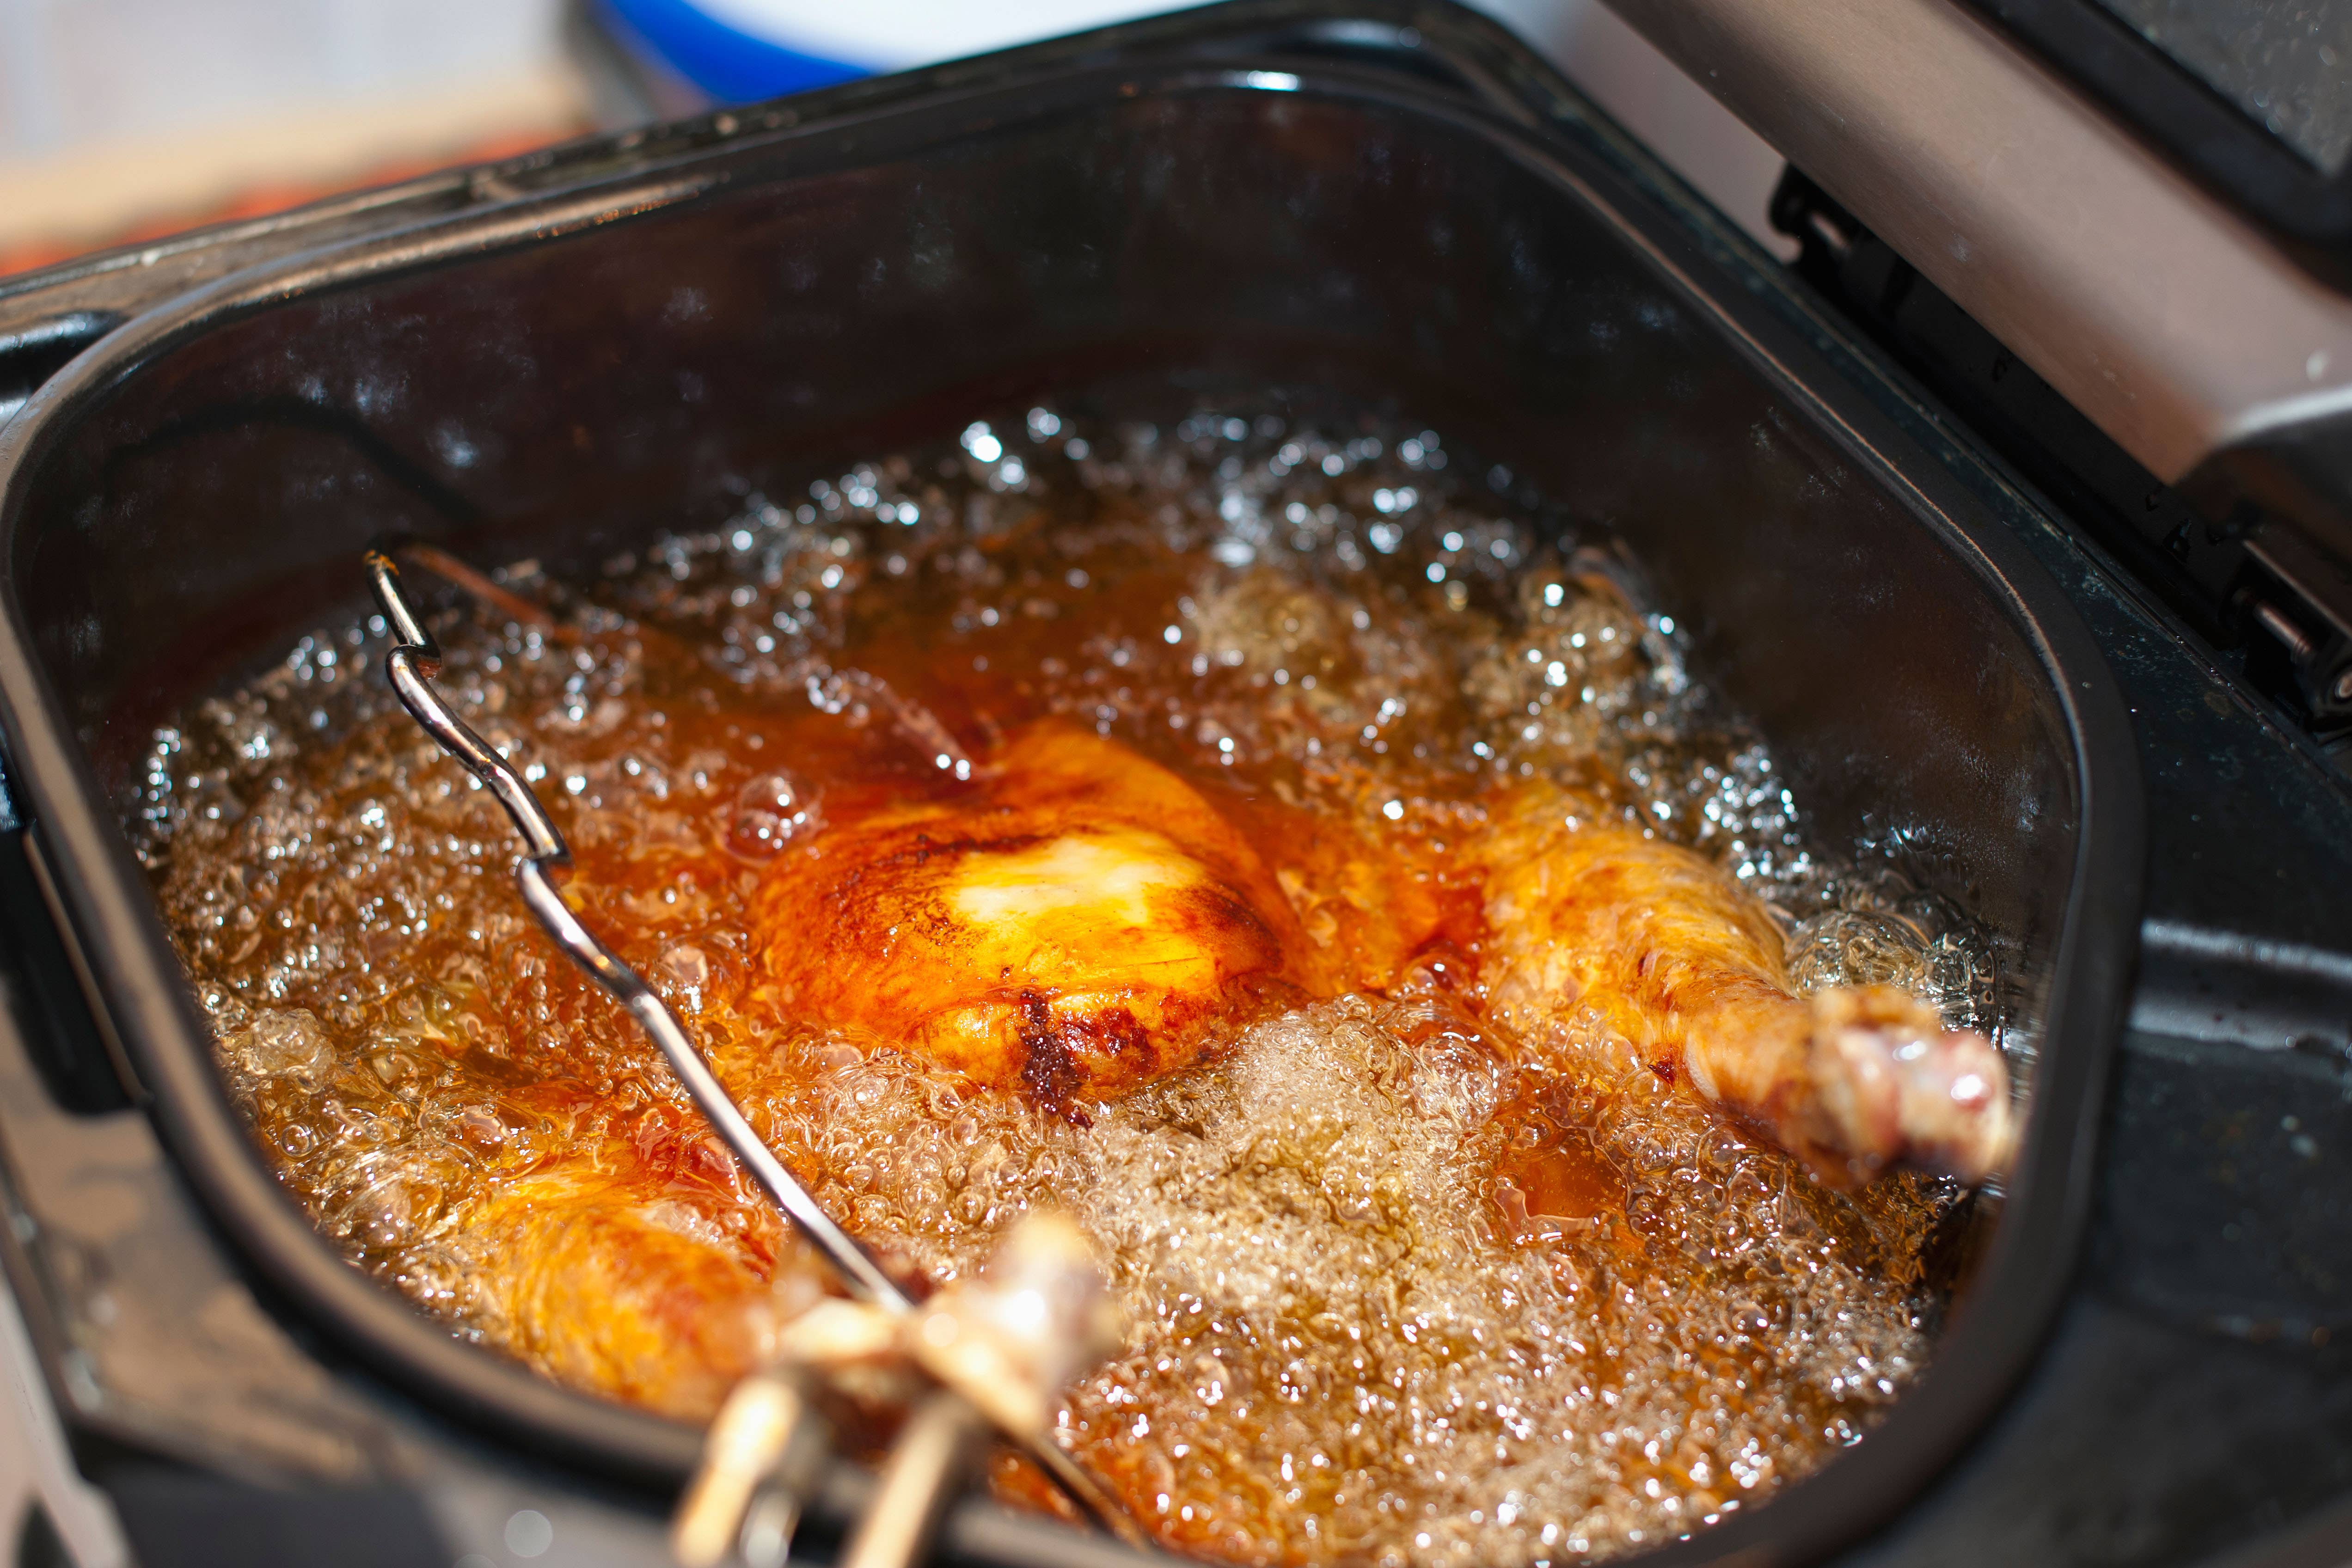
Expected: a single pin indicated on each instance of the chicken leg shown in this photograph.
(1658, 946)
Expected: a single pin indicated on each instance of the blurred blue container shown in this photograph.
(738, 51)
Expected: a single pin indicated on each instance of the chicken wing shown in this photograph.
(1661, 948)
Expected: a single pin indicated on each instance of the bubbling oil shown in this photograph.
(1402, 1289)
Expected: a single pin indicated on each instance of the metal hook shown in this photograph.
(413, 661)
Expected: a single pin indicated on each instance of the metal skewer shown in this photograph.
(412, 664)
(413, 661)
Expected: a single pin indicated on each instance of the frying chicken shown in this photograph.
(1074, 922)
(598, 1278)
(1155, 828)
(1084, 921)
(1666, 951)
(1074, 926)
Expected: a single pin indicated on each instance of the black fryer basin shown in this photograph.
(1295, 206)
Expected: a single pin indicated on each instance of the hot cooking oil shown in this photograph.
(1401, 1289)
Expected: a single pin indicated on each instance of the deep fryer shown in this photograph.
(1394, 205)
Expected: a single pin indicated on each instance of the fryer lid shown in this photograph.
(1392, 202)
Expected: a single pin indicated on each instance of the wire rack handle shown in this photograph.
(413, 661)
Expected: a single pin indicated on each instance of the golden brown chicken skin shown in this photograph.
(1659, 946)
(1078, 921)
(601, 1286)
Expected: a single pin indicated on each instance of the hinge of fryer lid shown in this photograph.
(2251, 547)
(2302, 596)
(2169, 320)
(2212, 359)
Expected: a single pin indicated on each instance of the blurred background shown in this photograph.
(124, 120)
